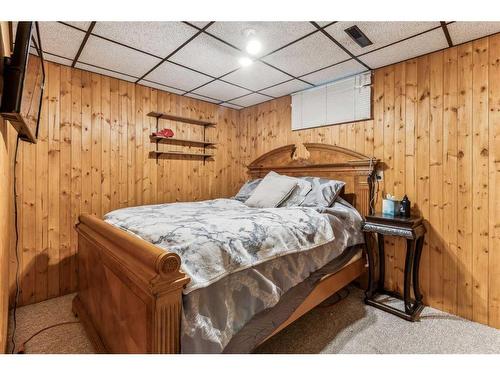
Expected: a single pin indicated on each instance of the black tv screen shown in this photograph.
(24, 77)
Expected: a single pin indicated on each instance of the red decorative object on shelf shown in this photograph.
(167, 133)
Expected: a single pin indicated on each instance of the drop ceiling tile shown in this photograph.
(272, 35)
(157, 38)
(208, 55)
(60, 39)
(345, 69)
(201, 97)
(200, 24)
(160, 87)
(380, 33)
(221, 90)
(413, 47)
(113, 56)
(286, 88)
(82, 25)
(311, 53)
(105, 72)
(176, 76)
(57, 59)
(228, 105)
(323, 23)
(256, 76)
(462, 32)
(251, 99)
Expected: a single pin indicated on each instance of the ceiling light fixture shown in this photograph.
(245, 61)
(254, 45)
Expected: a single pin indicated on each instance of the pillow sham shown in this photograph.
(298, 194)
(323, 192)
(247, 189)
(272, 191)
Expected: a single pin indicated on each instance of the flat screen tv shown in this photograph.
(23, 80)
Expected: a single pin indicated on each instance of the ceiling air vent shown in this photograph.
(357, 35)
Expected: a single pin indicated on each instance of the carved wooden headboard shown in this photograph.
(322, 160)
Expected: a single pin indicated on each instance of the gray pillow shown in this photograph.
(247, 189)
(272, 191)
(298, 194)
(323, 192)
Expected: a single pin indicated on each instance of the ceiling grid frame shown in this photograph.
(204, 30)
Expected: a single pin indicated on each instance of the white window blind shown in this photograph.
(341, 101)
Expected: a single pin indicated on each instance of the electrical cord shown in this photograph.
(22, 347)
(374, 189)
(335, 298)
(16, 299)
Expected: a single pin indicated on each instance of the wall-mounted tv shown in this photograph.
(23, 78)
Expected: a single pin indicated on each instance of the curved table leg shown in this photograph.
(381, 262)
(410, 252)
(416, 268)
(371, 268)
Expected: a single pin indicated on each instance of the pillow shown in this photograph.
(323, 192)
(247, 189)
(272, 191)
(298, 194)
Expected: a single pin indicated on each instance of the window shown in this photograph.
(345, 100)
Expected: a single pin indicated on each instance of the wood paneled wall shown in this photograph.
(92, 156)
(7, 143)
(4, 233)
(436, 129)
(5, 194)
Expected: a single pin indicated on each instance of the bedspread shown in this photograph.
(219, 237)
(273, 249)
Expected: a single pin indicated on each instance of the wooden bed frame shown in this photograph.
(130, 291)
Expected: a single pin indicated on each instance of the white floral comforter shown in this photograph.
(219, 237)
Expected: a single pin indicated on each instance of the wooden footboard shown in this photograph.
(130, 291)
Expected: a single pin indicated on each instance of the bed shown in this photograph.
(131, 292)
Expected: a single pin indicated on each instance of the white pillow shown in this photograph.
(272, 191)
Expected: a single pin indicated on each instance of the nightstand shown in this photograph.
(413, 230)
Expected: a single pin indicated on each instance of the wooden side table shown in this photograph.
(413, 230)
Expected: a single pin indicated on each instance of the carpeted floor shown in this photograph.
(348, 326)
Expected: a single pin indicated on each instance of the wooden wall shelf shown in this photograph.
(160, 139)
(183, 141)
(182, 153)
(166, 116)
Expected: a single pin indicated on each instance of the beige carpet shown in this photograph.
(346, 327)
(64, 339)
